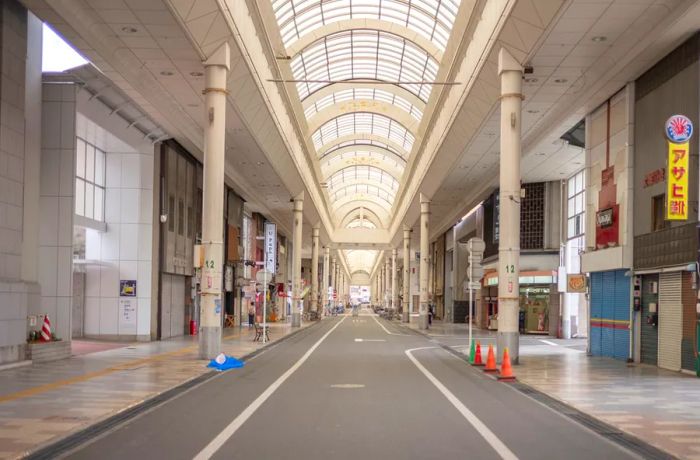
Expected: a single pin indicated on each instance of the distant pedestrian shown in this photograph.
(430, 315)
(251, 314)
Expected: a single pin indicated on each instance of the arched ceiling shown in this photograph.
(360, 260)
(364, 71)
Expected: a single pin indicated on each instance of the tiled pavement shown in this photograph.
(42, 403)
(655, 405)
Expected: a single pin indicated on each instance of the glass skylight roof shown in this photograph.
(360, 157)
(360, 143)
(367, 173)
(433, 19)
(360, 259)
(366, 192)
(364, 54)
(363, 122)
(349, 59)
(363, 96)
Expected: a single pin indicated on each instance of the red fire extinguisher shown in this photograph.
(193, 327)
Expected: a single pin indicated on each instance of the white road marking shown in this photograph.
(232, 427)
(370, 340)
(347, 385)
(385, 329)
(549, 342)
(488, 435)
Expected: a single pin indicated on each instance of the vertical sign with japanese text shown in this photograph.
(677, 192)
(270, 248)
(679, 130)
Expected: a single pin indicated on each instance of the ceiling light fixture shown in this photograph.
(129, 29)
(560, 80)
(167, 73)
(197, 74)
(530, 80)
(533, 111)
(599, 39)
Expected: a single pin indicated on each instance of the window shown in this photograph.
(657, 208)
(89, 181)
(576, 205)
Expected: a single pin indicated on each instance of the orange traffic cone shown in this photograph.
(491, 361)
(477, 356)
(506, 370)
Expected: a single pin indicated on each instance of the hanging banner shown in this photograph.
(271, 247)
(677, 191)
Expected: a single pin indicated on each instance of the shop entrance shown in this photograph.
(534, 309)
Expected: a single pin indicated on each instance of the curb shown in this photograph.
(74, 440)
(604, 429)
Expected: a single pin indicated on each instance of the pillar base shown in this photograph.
(423, 321)
(296, 320)
(510, 340)
(405, 317)
(209, 342)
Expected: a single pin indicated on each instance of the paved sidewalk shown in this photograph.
(43, 403)
(655, 405)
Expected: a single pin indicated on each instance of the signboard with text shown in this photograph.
(679, 130)
(271, 247)
(677, 191)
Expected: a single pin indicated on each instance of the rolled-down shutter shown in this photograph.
(670, 320)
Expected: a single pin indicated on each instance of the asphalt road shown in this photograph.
(348, 389)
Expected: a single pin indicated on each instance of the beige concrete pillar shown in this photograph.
(511, 73)
(406, 314)
(326, 276)
(315, 231)
(394, 291)
(297, 301)
(216, 68)
(424, 261)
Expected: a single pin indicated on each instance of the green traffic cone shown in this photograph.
(472, 352)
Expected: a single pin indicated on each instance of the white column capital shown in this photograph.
(507, 63)
(221, 57)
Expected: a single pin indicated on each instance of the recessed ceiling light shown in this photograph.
(260, 163)
(533, 111)
(197, 74)
(531, 80)
(599, 38)
(540, 154)
(560, 80)
(129, 29)
(167, 73)
(192, 105)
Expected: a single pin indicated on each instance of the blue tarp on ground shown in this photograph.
(229, 363)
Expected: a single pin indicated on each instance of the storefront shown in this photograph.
(537, 289)
(666, 106)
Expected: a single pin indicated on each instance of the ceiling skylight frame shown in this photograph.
(366, 123)
(364, 54)
(363, 94)
(432, 19)
(360, 143)
(372, 174)
(361, 223)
